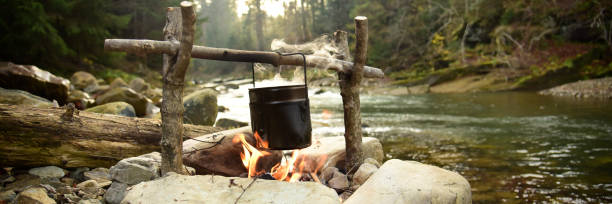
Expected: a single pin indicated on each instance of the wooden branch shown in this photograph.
(218, 154)
(349, 89)
(32, 137)
(174, 77)
(224, 54)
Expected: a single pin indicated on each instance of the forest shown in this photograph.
(453, 101)
(411, 40)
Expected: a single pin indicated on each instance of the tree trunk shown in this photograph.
(174, 76)
(31, 137)
(259, 21)
(349, 89)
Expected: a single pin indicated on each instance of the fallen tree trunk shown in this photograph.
(219, 153)
(66, 138)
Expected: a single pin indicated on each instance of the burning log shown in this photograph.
(220, 154)
(68, 138)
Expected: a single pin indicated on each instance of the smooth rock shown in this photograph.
(118, 83)
(47, 172)
(80, 99)
(134, 170)
(114, 108)
(7, 196)
(82, 80)
(363, 173)
(328, 173)
(72, 198)
(35, 81)
(219, 189)
(339, 182)
(23, 181)
(19, 97)
(139, 85)
(100, 175)
(138, 101)
(90, 201)
(229, 123)
(34, 195)
(200, 107)
(412, 182)
(155, 95)
(332, 150)
(372, 161)
(68, 181)
(115, 193)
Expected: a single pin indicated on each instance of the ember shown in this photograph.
(293, 169)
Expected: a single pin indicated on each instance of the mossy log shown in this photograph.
(64, 137)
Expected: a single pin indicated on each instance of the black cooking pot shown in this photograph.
(281, 115)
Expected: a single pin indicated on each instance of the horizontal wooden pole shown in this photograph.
(224, 54)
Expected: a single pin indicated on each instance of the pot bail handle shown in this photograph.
(286, 54)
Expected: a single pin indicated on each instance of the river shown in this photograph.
(513, 147)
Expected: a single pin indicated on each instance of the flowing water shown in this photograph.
(512, 147)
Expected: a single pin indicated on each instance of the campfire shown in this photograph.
(295, 168)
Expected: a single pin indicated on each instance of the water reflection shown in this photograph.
(512, 147)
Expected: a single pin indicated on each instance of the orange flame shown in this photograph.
(250, 155)
(296, 166)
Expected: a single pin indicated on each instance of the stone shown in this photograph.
(114, 108)
(372, 161)
(155, 95)
(115, 193)
(134, 170)
(339, 182)
(200, 107)
(82, 80)
(72, 198)
(100, 175)
(34, 195)
(90, 201)
(345, 195)
(593, 88)
(363, 173)
(125, 94)
(35, 81)
(118, 83)
(412, 182)
(68, 181)
(47, 172)
(19, 97)
(229, 123)
(7, 196)
(219, 189)
(90, 187)
(328, 173)
(80, 99)
(23, 181)
(332, 149)
(139, 85)
(77, 174)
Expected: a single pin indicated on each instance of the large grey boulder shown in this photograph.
(134, 170)
(125, 94)
(200, 107)
(218, 189)
(334, 150)
(18, 97)
(34, 80)
(34, 195)
(83, 80)
(114, 108)
(47, 172)
(412, 182)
